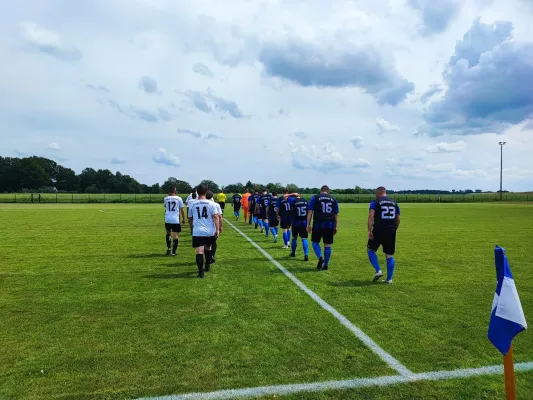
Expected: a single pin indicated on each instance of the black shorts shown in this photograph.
(173, 227)
(285, 224)
(262, 213)
(199, 241)
(222, 204)
(385, 238)
(324, 234)
(237, 207)
(273, 222)
(300, 230)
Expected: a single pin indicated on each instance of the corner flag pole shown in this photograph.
(508, 368)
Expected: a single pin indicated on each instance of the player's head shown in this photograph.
(246, 190)
(274, 194)
(201, 190)
(209, 195)
(172, 191)
(285, 191)
(324, 189)
(381, 191)
(221, 190)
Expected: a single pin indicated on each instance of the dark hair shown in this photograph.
(382, 188)
(201, 190)
(274, 194)
(209, 195)
(285, 190)
(172, 189)
(194, 195)
(324, 188)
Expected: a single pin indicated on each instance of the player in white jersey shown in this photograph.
(190, 201)
(173, 208)
(205, 219)
(209, 196)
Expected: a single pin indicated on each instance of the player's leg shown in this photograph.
(274, 228)
(327, 238)
(372, 246)
(213, 251)
(294, 242)
(266, 225)
(208, 254)
(316, 237)
(245, 212)
(198, 245)
(175, 238)
(305, 243)
(389, 248)
(167, 238)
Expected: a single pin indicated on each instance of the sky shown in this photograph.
(409, 94)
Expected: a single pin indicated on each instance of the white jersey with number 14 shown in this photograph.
(202, 212)
(173, 206)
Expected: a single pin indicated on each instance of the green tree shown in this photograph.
(181, 186)
(32, 175)
(211, 185)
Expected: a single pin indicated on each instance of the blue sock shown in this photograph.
(327, 255)
(305, 245)
(390, 268)
(294, 244)
(236, 214)
(373, 257)
(317, 249)
(274, 231)
(267, 228)
(286, 237)
(260, 222)
(255, 220)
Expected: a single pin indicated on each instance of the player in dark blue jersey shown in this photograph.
(284, 211)
(236, 200)
(324, 210)
(383, 222)
(272, 214)
(264, 202)
(257, 220)
(300, 206)
(251, 207)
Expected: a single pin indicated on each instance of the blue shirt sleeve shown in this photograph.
(372, 205)
(312, 203)
(291, 200)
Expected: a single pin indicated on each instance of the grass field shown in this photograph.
(343, 198)
(90, 308)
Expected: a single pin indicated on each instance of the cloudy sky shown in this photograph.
(409, 94)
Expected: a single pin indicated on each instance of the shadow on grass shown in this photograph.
(352, 283)
(183, 275)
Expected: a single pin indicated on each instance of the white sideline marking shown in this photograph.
(344, 384)
(386, 357)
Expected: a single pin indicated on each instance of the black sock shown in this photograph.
(214, 248)
(208, 256)
(200, 262)
(168, 240)
(175, 246)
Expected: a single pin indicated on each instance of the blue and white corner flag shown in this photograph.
(507, 318)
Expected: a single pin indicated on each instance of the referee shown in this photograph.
(221, 199)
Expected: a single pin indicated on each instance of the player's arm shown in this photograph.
(371, 213)
(336, 212)
(182, 210)
(397, 219)
(310, 210)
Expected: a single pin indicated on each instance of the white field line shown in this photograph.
(386, 357)
(344, 384)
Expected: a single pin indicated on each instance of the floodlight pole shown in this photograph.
(501, 168)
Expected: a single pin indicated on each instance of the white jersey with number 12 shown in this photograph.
(173, 205)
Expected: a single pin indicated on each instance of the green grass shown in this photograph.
(86, 297)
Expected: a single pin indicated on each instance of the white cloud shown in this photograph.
(448, 147)
(54, 146)
(385, 126)
(166, 158)
(358, 142)
(254, 75)
(324, 160)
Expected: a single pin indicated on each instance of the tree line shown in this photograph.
(39, 174)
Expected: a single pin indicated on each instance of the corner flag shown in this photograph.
(507, 318)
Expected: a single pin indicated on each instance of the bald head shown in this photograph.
(381, 191)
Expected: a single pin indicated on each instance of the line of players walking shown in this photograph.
(289, 212)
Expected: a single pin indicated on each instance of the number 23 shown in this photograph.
(388, 212)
